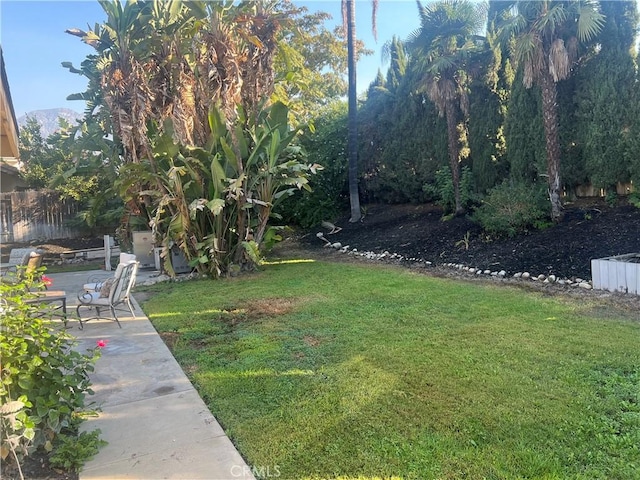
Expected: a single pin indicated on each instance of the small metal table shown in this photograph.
(52, 296)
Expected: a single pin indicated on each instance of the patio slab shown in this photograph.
(155, 422)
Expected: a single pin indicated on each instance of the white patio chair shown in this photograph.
(96, 282)
(118, 294)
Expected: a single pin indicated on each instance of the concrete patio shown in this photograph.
(156, 424)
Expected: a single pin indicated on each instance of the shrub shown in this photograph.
(442, 191)
(43, 380)
(72, 450)
(326, 146)
(510, 209)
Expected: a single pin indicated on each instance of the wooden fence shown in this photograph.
(36, 215)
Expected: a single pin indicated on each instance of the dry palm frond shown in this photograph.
(559, 65)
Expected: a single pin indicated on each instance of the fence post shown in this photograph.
(107, 253)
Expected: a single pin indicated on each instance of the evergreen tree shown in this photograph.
(488, 106)
(605, 98)
(524, 133)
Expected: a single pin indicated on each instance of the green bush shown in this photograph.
(442, 191)
(634, 199)
(511, 209)
(329, 194)
(72, 451)
(43, 381)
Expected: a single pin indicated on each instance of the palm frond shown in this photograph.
(590, 20)
(559, 64)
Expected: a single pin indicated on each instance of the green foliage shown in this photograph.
(71, 451)
(524, 133)
(310, 66)
(605, 101)
(611, 197)
(326, 146)
(17, 430)
(403, 143)
(510, 209)
(215, 203)
(68, 163)
(442, 190)
(634, 199)
(40, 370)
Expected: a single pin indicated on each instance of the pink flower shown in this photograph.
(47, 281)
(102, 343)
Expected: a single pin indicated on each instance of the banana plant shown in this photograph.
(216, 201)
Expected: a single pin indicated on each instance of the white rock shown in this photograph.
(546, 280)
(561, 282)
(552, 278)
(585, 285)
(320, 235)
(502, 273)
(428, 263)
(478, 272)
(494, 274)
(336, 245)
(579, 280)
(526, 275)
(472, 270)
(517, 275)
(541, 277)
(487, 272)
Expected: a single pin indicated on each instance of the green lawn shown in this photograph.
(320, 370)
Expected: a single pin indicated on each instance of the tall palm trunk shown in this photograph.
(454, 151)
(352, 136)
(550, 121)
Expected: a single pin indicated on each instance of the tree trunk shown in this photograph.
(454, 152)
(550, 120)
(352, 136)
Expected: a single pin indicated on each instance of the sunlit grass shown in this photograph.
(357, 372)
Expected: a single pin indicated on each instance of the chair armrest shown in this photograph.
(98, 277)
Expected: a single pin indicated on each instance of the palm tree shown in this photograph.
(443, 49)
(544, 37)
(349, 21)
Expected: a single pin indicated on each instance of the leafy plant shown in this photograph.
(634, 199)
(443, 192)
(43, 380)
(72, 451)
(510, 209)
(611, 197)
(215, 203)
(18, 430)
(464, 243)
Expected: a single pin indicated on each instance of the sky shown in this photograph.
(34, 44)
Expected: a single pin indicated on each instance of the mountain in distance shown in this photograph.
(48, 119)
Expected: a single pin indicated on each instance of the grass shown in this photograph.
(321, 370)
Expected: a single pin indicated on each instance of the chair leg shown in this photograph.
(78, 315)
(113, 312)
(131, 308)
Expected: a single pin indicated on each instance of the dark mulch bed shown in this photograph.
(36, 467)
(53, 248)
(587, 231)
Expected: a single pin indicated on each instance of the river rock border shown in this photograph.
(521, 276)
